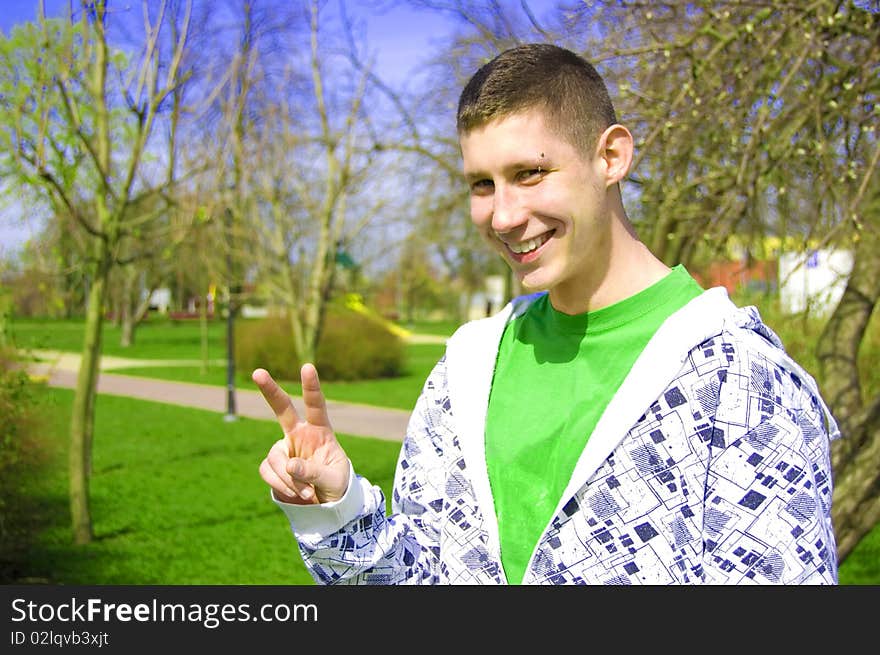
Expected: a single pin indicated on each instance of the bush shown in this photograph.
(266, 343)
(352, 347)
(19, 456)
(16, 401)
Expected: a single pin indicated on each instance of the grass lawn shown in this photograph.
(176, 499)
(164, 339)
(135, 465)
(441, 328)
(862, 567)
(398, 393)
(156, 338)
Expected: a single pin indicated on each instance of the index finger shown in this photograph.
(278, 400)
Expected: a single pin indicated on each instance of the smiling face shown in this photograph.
(542, 204)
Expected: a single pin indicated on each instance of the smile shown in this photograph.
(524, 247)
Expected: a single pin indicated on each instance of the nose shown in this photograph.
(507, 210)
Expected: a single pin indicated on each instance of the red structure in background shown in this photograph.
(761, 275)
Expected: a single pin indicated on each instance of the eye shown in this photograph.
(531, 175)
(482, 187)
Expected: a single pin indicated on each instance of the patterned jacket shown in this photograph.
(710, 465)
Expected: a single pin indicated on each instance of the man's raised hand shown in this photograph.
(308, 465)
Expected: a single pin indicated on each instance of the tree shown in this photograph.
(425, 135)
(416, 281)
(752, 119)
(317, 182)
(760, 119)
(78, 119)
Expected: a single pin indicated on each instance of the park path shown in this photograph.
(60, 370)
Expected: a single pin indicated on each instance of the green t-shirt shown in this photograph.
(554, 376)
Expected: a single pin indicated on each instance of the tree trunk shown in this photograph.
(5, 313)
(134, 311)
(83, 415)
(126, 336)
(126, 319)
(856, 508)
(320, 282)
(855, 457)
(203, 332)
(66, 258)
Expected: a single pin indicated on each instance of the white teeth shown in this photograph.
(528, 246)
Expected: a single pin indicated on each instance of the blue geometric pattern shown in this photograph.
(724, 479)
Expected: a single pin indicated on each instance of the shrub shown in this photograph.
(19, 457)
(16, 401)
(266, 343)
(352, 347)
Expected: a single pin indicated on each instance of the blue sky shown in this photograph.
(396, 37)
(399, 38)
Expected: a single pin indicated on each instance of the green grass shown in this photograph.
(862, 567)
(165, 425)
(441, 328)
(397, 393)
(157, 338)
(178, 501)
(164, 339)
(176, 498)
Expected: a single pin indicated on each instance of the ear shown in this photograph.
(615, 149)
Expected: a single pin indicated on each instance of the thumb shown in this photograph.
(303, 470)
(323, 482)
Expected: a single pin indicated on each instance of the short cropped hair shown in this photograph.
(562, 84)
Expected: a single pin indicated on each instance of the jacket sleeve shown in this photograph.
(768, 486)
(354, 541)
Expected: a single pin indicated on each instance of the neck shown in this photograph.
(629, 269)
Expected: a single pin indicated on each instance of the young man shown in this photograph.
(625, 427)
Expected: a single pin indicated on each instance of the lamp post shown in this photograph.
(230, 328)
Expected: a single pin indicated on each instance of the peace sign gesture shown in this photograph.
(307, 466)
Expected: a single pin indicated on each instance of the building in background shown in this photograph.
(813, 281)
(160, 300)
(748, 273)
(490, 300)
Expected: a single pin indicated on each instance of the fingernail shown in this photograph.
(306, 493)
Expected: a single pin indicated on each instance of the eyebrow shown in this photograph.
(537, 161)
(473, 176)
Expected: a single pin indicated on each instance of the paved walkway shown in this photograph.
(60, 370)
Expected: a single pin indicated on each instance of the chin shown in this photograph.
(534, 284)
